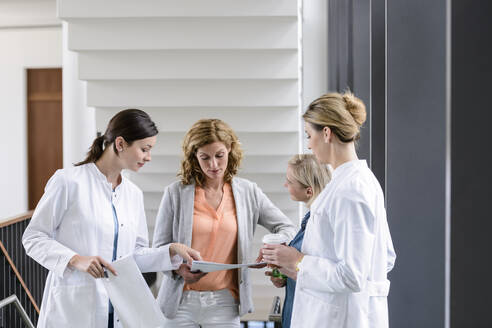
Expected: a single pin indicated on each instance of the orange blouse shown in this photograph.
(215, 237)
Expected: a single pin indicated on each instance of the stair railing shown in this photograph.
(13, 299)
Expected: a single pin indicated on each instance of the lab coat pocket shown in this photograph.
(72, 306)
(359, 306)
(330, 309)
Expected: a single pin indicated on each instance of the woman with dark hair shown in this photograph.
(91, 215)
(216, 213)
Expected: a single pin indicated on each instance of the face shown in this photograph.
(317, 142)
(137, 154)
(213, 159)
(296, 190)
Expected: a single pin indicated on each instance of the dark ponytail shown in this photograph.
(130, 124)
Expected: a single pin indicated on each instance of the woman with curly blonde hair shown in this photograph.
(217, 213)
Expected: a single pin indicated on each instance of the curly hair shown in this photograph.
(202, 133)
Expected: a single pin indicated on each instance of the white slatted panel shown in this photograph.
(252, 119)
(183, 33)
(73, 9)
(192, 93)
(183, 60)
(188, 64)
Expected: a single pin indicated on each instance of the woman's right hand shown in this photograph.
(277, 281)
(93, 265)
(188, 276)
(187, 253)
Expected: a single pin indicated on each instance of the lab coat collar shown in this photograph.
(100, 176)
(341, 169)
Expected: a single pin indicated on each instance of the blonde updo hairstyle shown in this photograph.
(310, 173)
(202, 133)
(343, 113)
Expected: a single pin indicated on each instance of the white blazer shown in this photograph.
(75, 216)
(342, 281)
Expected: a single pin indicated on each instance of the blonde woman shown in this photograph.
(305, 179)
(347, 250)
(217, 213)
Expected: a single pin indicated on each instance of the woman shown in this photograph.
(305, 179)
(347, 250)
(215, 213)
(91, 215)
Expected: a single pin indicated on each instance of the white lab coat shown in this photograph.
(75, 216)
(342, 279)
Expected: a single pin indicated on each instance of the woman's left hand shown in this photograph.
(276, 281)
(282, 256)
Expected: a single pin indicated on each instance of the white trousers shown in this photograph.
(206, 310)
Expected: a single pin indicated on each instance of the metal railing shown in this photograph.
(13, 299)
(19, 274)
(275, 314)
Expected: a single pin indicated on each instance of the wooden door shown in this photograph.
(44, 122)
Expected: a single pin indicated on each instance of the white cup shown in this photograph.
(275, 239)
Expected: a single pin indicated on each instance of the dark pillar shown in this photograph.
(471, 169)
(416, 160)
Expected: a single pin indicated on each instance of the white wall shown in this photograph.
(20, 48)
(28, 13)
(314, 53)
(79, 121)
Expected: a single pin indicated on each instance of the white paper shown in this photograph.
(132, 299)
(205, 266)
